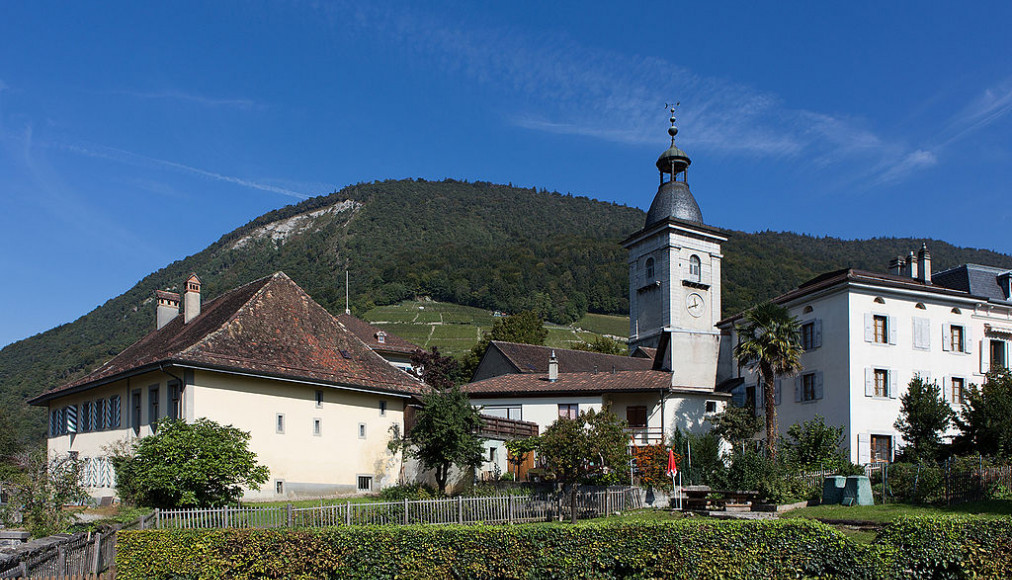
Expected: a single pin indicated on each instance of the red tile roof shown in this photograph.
(583, 383)
(270, 327)
(531, 358)
(368, 333)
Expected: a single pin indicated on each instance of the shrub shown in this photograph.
(775, 481)
(408, 491)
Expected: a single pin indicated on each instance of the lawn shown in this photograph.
(605, 324)
(883, 514)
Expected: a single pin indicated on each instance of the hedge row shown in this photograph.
(911, 548)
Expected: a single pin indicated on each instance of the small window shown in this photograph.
(808, 335)
(569, 411)
(650, 269)
(920, 306)
(153, 406)
(316, 427)
(636, 416)
(956, 311)
(695, 269)
(361, 430)
(279, 423)
(175, 409)
(381, 337)
(881, 448)
(808, 387)
(957, 385)
(711, 407)
(279, 486)
(881, 382)
(319, 399)
(383, 408)
(998, 355)
(365, 483)
(807, 310)
(881, 329)
(956, 341)
(879, 300)
(491, 454)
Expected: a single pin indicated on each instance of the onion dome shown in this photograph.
(673, 198)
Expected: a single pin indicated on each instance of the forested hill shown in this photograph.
(492, 246)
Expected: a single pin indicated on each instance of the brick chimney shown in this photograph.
(168, 307)
(924, 264)
(191, 299)
(553, 368)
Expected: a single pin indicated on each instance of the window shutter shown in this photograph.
(759, 398)
(967, 339)
(818, 384)
(869, 327)
(776, 392)
(922, 334)
(797, 389)
(946, 392)
(985, 362)
(946, 337)
(869, 382)
(53, 422)
(892, 392)
(891, 328)
(818, 333)
(863, 448)
(72, 419)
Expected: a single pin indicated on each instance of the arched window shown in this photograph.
(956, 311)
(920, 306)
(807, 310)
(695, 269)
(650, 268)
(879, 300)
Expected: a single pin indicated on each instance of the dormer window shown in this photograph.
(695, 269)
(650, 269)
(381, 337)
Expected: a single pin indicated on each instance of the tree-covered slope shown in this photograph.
(477, 244)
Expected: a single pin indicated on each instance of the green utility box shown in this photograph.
(832, 489)
(857, 491)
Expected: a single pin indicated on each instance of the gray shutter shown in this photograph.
(818, 333)
(985, 361)
(818, 385)
(869, 327)
(946, 391)
(72, 419)
(759, 405)
(967, 339)
(869, 382)
(797, 388)
(893, 391)
(863, 448)
(946, 337)
(891, 328)
(776, 392)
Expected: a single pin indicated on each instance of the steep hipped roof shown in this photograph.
(368, 334)
(976, 279)
(579, 383)
(531, 358)
(269, 327)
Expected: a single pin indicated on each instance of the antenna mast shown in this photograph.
(347, 303)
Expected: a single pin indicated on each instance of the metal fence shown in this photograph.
(946, 483)
(460, 510)
(83, 555)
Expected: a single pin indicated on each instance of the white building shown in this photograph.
(867, 334)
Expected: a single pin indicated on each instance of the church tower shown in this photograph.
(674, 278)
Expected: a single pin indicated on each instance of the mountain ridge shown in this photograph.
(479, 244)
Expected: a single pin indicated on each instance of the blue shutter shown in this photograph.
(818, 384)
(818, 333)
(72, 419)
(115, 412)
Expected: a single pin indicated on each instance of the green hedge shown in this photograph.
(913, 548)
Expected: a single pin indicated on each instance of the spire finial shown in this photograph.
(672, 130)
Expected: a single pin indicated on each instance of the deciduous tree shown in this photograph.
(39, 487)
(445, 434)
(986, 417)
(199, 464)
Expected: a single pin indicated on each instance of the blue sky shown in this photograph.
(133, 134)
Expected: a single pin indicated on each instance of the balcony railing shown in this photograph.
(645, 435)
(507, 429)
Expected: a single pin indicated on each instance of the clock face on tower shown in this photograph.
(695, 305)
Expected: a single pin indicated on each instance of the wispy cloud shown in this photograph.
(119, 155)
(204, 101)
(988, 107)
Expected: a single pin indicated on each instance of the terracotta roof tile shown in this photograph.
(530, 358)
(270, 326)
(585, 383)
(368, 333)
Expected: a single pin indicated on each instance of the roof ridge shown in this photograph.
(265, 281)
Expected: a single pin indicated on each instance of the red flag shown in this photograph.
(672, 464)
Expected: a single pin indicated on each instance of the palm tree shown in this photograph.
(769, 344)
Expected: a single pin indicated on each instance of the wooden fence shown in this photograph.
(460, 510)
(84, 555)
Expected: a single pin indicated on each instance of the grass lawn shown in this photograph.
(605, 324)
(886, 513)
